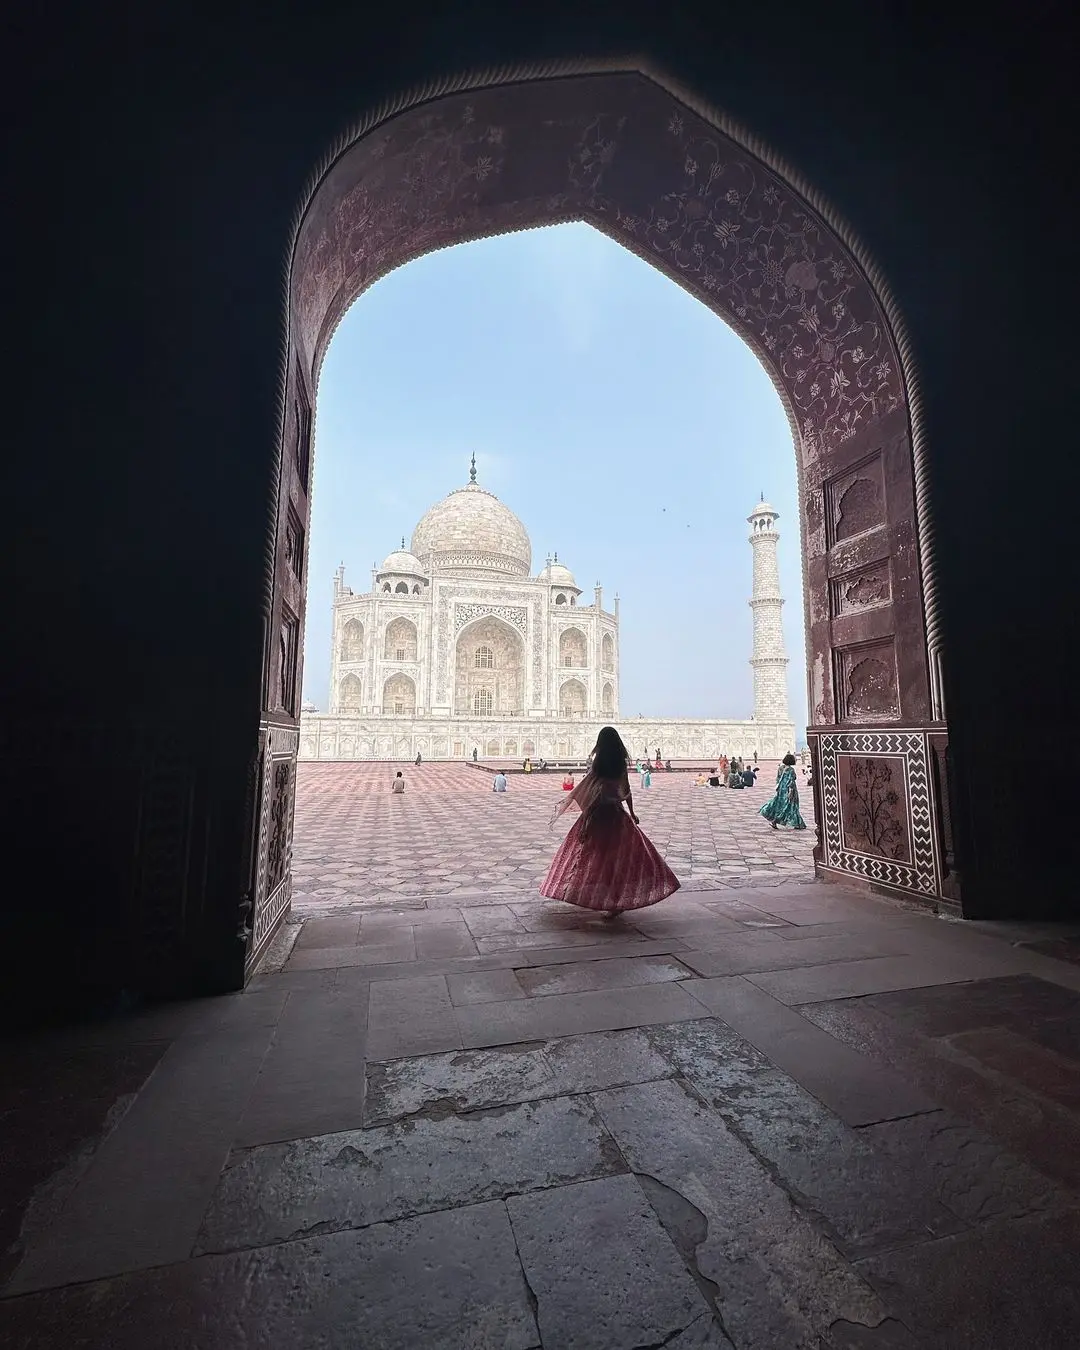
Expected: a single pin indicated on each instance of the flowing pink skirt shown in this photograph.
(607, 862)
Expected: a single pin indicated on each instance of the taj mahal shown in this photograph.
(458, 648)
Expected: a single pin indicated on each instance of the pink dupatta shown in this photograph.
(586, 796)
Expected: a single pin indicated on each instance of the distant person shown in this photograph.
(724, 767)
(667, 766)
(543, 766)
(748, 776)
(782, 808)
(659, 761)
(474, 754)
(734, 777)
(499, 785)
(702, 781)
(713, 779)
(755, 756)
(398, 785)
(568, 781)
(419, 758)
(606, 862)
(527, 765)
(646, 776)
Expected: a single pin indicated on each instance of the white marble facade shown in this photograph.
(458, 647)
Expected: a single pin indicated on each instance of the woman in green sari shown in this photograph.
(782, 808)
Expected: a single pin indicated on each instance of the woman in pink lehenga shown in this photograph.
(606, 862)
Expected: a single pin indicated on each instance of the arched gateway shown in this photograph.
(687, 192)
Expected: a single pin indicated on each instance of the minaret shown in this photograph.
(769, 660)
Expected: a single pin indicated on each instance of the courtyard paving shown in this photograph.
(768, 1113)
(451, 836)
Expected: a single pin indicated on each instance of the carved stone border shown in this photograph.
(278, 744)
(922, 874)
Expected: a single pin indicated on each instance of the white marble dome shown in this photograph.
(555, 574)
(403, 563)
(472, 529)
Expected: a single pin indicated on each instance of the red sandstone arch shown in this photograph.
(679, 185)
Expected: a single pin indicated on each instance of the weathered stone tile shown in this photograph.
(141, 1199)
(869, 1198)
(603, 1271)
(468, 1080)
(484, 920)
(996, 1287)
(720, 1063)
(410, 1017)
(1034, 1128)
(852, 1085)
(312, 1079)
(621, 973)
(385, 950)
(490, 986)
(777, 1281)
(744, 953)
(447, 1281)
(1019, 1001)
(55, 1110)
(852, 979)
(436, 940)
(1023, 1061)
(282, 1192)
(565, 1014)
(343, 931)
(971, 1173)
(514, 942)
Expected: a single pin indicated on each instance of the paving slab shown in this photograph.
(447, 1281)
(141, 1200)
(997, 1287)
(489, 986)
(562, 1015)
(282, 1192)
(410, 1017)
(747, 953)
(468, 1080)
(602, 1269)
(312, 1078)
(1027, 1124)
(622, 973)
(855, 1087)
(852, 979)
(776, 1280)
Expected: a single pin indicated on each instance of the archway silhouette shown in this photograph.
(679, 186)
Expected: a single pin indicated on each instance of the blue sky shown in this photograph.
(627, 426)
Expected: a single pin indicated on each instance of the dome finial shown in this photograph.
(403, 543)
(472, 469)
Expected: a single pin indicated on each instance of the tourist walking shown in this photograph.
(782, 808)
(419, 758)
(398, 785)
(606, 862)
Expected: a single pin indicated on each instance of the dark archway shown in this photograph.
(676, 184)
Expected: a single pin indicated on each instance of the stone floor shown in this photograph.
(773, 1118)
(451, 836)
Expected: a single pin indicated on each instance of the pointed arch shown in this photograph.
(400, 642)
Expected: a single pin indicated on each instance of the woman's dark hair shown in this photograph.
(399, 773)
(789, 759)
(609, 756)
